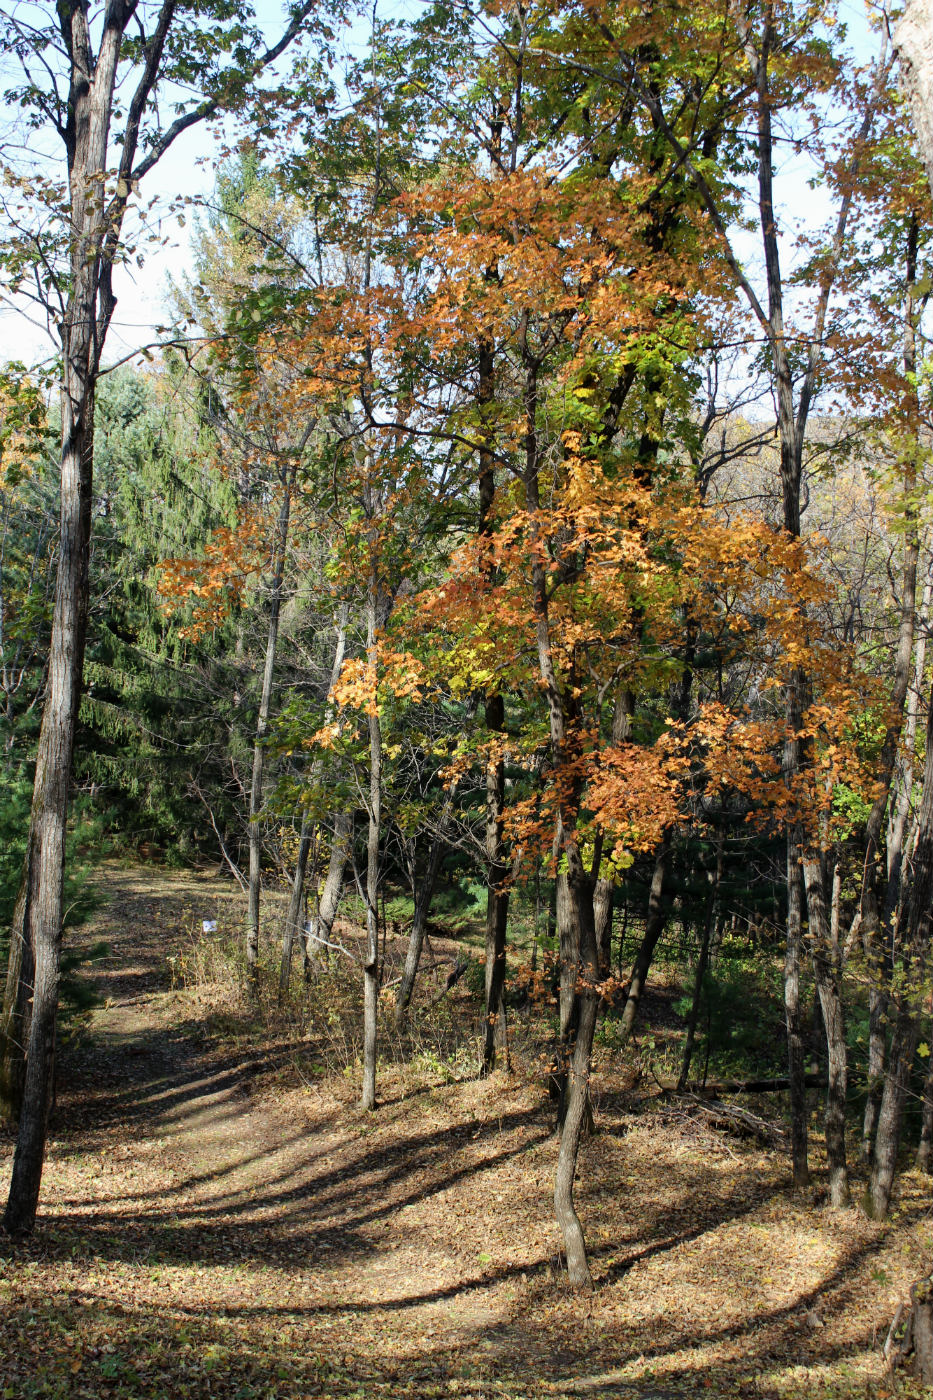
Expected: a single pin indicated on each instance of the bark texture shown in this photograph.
(793, 1020)
(88, 314)
(912, 963)
(913, 44)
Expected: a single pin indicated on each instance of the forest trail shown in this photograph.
(210, 1229)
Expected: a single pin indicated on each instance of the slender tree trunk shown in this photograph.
(262, 725)
(925, 1147)
(495, 1032)
(654, 927)
(308, 833)
(327, 903)
(891, 1113)
(709, 925)
(792, 1019)
(371, 965)
(562, 721)
(568, 936)
(913, 960)
(419, 921)
(603, 889)
(876, 934)
(41, 900)
(702, 964)
(17, 1005)
(827, 972)
(578, 1089)
(897, 829)
(293, 917)
(495, 1035)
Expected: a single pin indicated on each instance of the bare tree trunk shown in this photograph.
(921, 1307)
(308, 833)
(371, 964)
(876, 934)
(914, 949)
(891, 1113)
(88, 314)
(293, 917)
(827, 972)
(495, 1032)
(17, 1006)
(495, 1035)
(709, 925)
(913, 44)
(603, 889)
(925, 1148)
(897, 828)
(702, 964)
(792, 1018)
(578, 1088)
(322, 923)
(654, 927)
(422, 909)
(568, 935)
(41, 900)
(262, 724)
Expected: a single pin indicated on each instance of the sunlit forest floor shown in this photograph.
(220, 1220)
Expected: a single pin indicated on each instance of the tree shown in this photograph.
(913, 44)
(82, 56)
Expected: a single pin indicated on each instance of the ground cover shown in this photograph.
(219, 1219)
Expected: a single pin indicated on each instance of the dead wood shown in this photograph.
(910, 1337)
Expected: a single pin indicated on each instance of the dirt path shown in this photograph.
(210, 1229)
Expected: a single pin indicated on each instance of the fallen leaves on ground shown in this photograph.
(213, 1227)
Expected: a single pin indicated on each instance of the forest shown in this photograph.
(469, 664)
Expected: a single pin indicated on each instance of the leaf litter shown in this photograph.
(214, 1225)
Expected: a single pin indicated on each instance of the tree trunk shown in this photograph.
(293, 917)
(568, 935)
(322, 923)
(702, 964)
(374, 836)
(562, 723)
(603, 890)
(897, 828)
(84, 327)
(44, 878)
(495, 1035)
(921, 1307)
(308, 834)
(580, 906)
(792, 1018)
(262, 725)
(17, 1005)
(913, 44)
(891, 1112)
(654, 927)
(419, 921)
(827, 973)
(909, 986)
(925, 1147)
(876, 931)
